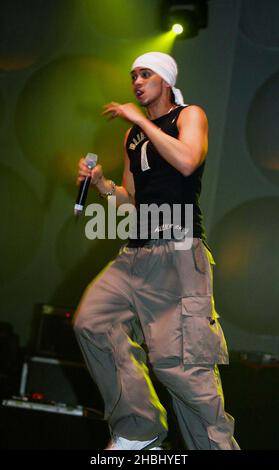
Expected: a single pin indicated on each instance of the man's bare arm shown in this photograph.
(188, 151)
(185, 153)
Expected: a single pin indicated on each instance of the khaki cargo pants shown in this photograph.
(162, 296)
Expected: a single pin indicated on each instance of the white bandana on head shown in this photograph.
(165, 66)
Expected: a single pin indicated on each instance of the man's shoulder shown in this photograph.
(193, 109)
(192, 112)
(127, 133)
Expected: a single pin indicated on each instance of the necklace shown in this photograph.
(173, 107)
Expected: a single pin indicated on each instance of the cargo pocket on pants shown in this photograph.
(201, 332)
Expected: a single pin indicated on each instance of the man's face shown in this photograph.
(147, 85)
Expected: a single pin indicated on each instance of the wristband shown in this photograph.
(111, 192)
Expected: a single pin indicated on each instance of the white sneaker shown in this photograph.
(120, 443)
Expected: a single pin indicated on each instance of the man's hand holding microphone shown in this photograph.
(89, 173)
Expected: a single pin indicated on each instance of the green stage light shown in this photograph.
(177, 28)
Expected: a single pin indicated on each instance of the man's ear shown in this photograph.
(166, 84)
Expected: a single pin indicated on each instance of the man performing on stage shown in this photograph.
(152, 291)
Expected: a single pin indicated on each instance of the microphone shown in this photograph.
(90, 161)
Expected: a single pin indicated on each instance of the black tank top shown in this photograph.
(156, 181)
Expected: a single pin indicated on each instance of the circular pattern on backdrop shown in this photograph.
(33, 32)
(259, 22)
(72, 244)
(80, 258)
(21, 224)
(245, 248)
(262, 128)
(59, 113)
(122, 19)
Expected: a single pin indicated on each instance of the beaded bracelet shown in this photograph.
(111, 192)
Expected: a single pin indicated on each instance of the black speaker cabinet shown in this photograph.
(54, 333)
(24, 429)
(59, 381)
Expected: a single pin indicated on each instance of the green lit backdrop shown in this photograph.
(60, 62)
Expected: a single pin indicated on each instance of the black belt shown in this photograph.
(137, 243)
